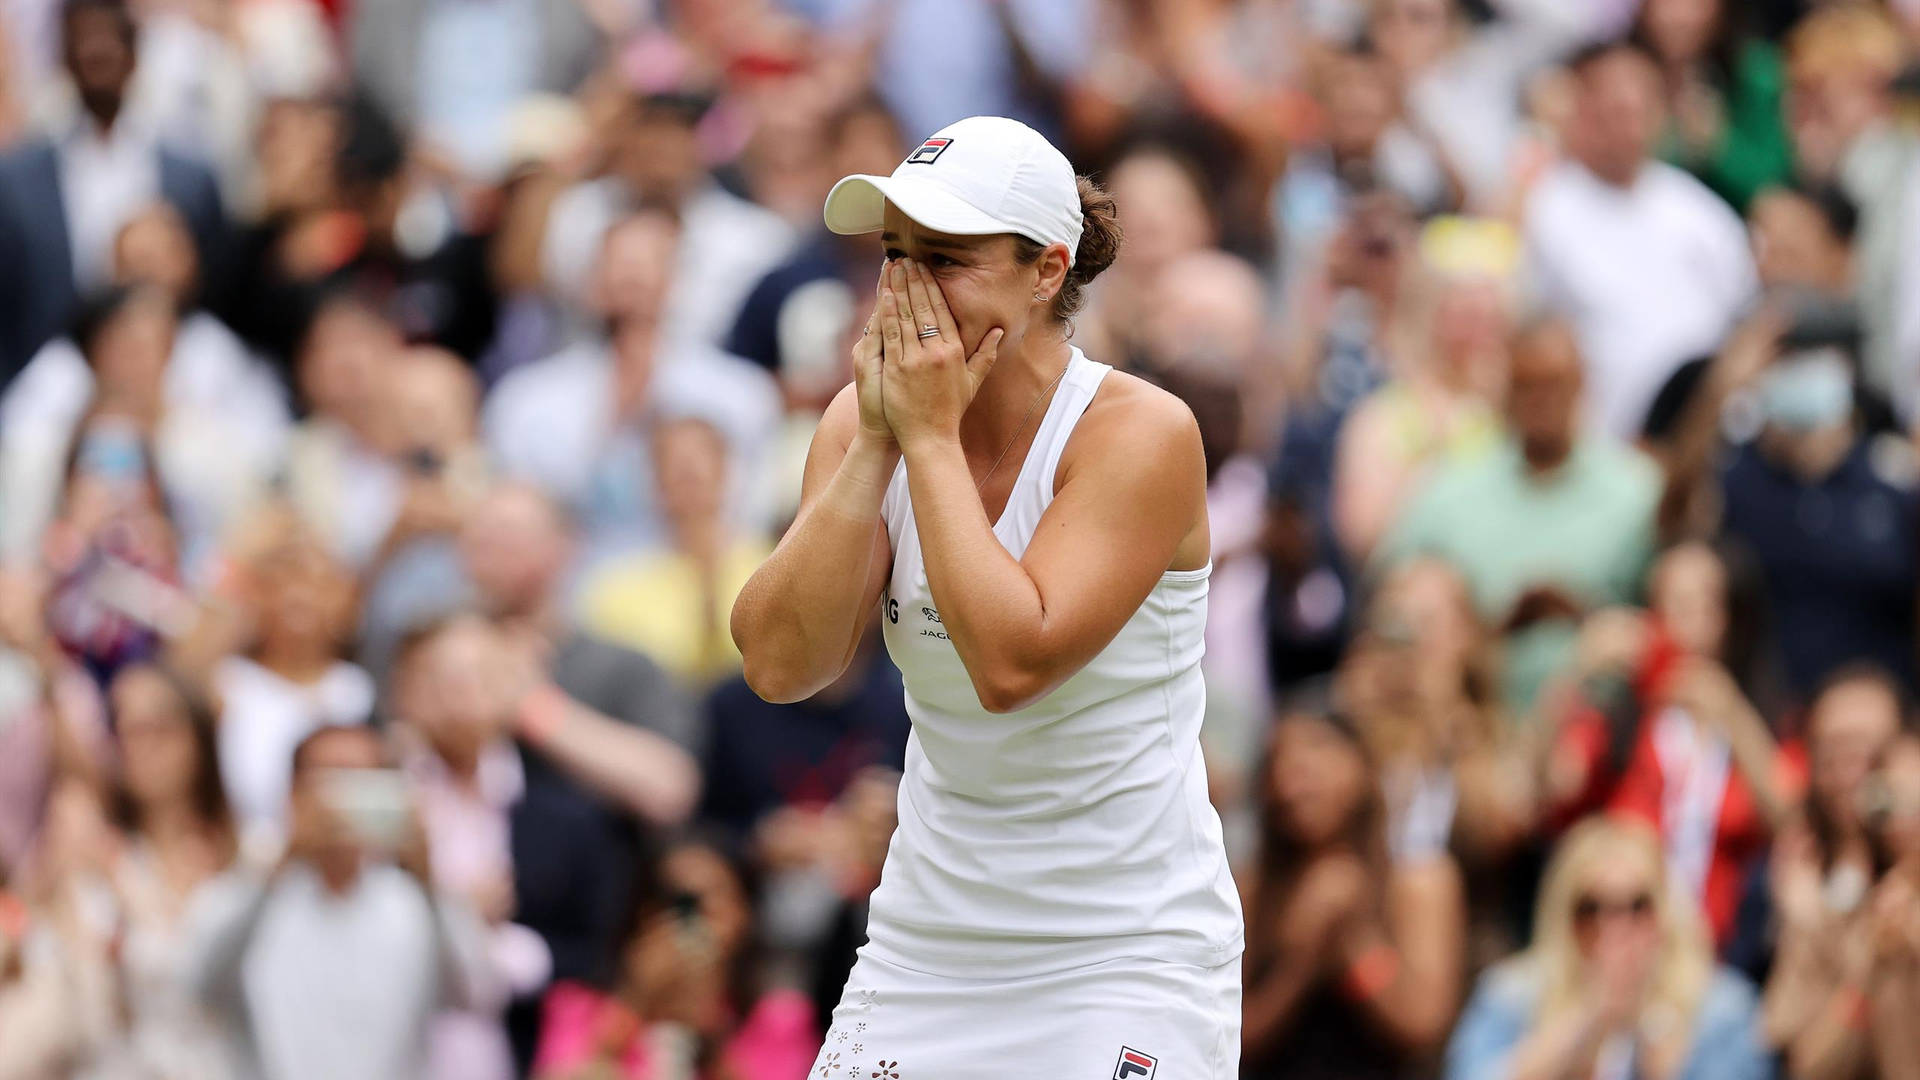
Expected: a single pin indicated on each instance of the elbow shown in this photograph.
(1010, 690)
(772, 682)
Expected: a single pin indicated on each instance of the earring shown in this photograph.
(1039, 299)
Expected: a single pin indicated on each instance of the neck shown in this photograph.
(169, 820)
(1009, 400)
(1814, 455)
(297, 661)
(1544, 459)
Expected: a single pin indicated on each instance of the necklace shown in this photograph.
(1022, 426)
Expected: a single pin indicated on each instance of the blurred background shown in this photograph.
(394, 394)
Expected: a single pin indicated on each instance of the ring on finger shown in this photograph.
(929, 331)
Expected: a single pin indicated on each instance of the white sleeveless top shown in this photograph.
(1073, 831)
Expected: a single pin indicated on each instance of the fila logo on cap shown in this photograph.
(1134, 1065)
(929, 151)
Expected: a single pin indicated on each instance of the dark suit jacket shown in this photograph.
(37, 294)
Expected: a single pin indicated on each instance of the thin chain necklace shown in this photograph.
(982, 482)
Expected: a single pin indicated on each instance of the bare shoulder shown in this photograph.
(1132, 416)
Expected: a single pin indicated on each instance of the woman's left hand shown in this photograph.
(929, 380)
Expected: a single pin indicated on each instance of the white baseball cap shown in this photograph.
(976, 177)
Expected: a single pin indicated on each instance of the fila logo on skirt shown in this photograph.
(929, 152)
(1134, 1065)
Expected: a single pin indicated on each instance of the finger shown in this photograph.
(982, 360)
(891, 343)
(919, 284)
(902, 310)
(942, 317)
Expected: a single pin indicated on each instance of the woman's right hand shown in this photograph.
(867, 376)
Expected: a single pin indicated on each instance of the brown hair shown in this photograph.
(1099, 245)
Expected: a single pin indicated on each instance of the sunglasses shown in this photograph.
(1588, 909)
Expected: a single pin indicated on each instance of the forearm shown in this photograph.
(1831, 1046)
(646, 773)
(1895, 1005)
(989, 606)
(798, 618)
(1273, 1001)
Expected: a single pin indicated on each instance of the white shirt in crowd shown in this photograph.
(330, 985)
(263, 718)
(727, 245)
(1650, 275)
(106, 179)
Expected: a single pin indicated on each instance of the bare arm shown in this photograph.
(1134, 493)
(647, 773)
(1426, 925)
(799, 618)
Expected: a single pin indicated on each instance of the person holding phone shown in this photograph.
(345, 934)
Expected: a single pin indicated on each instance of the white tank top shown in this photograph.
(1073, 831)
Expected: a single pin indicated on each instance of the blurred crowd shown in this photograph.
(394, 394)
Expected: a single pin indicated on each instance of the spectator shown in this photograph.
(617, 387)
(67, 194)
(1841, 999)
(467, 777)
(1841, 63)
(1803, 238)
(287, 954)
(687, 1000)
(1619, 981)
(1722, 88)
(672, 603)
(1553, 523)
(1442, 405)
(1704, 768)
(1836, 581)
(655, 161)
(1164, 198)
(287, 680)
(1354, 959)
(1649, 267)
(170, 805)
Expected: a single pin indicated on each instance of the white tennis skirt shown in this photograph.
(1127, 1019)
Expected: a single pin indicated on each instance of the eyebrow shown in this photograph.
(927, 241)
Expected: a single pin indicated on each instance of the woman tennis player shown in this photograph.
(1055, 902)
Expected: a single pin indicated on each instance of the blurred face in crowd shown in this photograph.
(304, 599)
(1618, 116)
(156, 249)
(869, 142)
(129, 356)
(1165, 211)
(514, 547)
(1543, 394)
(1370, 248)
(1840, 68)
(159, 751)
(1794, 245)
(457, 674)
(335, 748)
(1359, 102)
(1424, 630)
(658, 155)
(636, 267)
(347, 351)
(1681, 30)
(1689, 595)
(1617, 902)
(1470, 318)
(1319, 779)
(704, 874)
(690, 464)
(1848, 730)
(984, 283)
(1412, 34)
(1209, 314)
(100, 56)
(431, 401)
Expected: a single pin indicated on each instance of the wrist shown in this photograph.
(540, 712)
(928, 443)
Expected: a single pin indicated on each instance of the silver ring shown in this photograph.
(928, 331)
